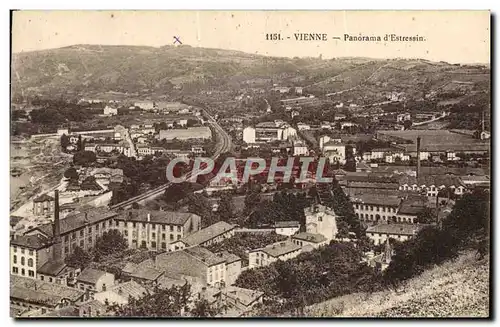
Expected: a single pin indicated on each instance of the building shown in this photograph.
(240, 300)
(287, 228)
(195, 263)
(28, 253)
(374, 207)
(43, 205)
(249, 135)
(144, 105)
(403, 117)
(94, 280)
(28, 294)
(121, 293)
(155, 230)
(300, 149)
(303, 127)
(109, 111)
(190, 133)
(278, 251)
(141, 274)
(401, 232)
(212, 234)
(269, 132)
(321, 220)
(313, 240)
(233, 266)
(431, 185)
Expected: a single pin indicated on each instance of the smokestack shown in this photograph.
(56, 252)
(418, 157)
(482, 121)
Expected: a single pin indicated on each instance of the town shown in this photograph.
(97, 229)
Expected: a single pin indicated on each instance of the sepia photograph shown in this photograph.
(250, 164)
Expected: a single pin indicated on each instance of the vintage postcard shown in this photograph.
(250, 164)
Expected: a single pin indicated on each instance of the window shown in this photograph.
(31, 252)
(90, 239)
(66, 250)
(103, 224)
(320, 218)
(15, 270)
(178, 237)
(73, 235)
(97, 227)
(81, 286)
(163, 227)
(125, 232)
(90, 229)
(371, 208)
(153, 226)
(153, 245)
(31, 273)
(23, 272)
(81, 244)
(30, 262)
(22, 261)
(81, 233)
(15, 249)
(42, 277)
(22, 251)
(163, 236)
(171, 228)
(163, 245)
(50, 280)
(153, 235)
(171, 237)
(357, 206)
(143, 244)
(143, 225)
(15, 258)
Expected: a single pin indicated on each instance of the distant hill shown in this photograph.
(459, 288)
(80, 69)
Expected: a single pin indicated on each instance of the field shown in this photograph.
(458, 288)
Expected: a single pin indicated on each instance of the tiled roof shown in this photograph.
(395, 229)
(128, 289)
(52, 268)
(310, 237)
(156, 216)
(376, 199)
(90, 275)
(31, 241)
(409, 207)
(43, 198)
(205, 255)
(77, 221)
(180, 263)
(207, 234)
(428, 180)
(245, 296)
(228, 257)
(31, 290)
(284, 224)
(143, 272)
(280, 248)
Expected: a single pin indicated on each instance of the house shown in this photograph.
(321, 220)
(30, 294)
(94, 280)
(57, 272)
(278, 251)
(43, 205)
(300, 149)
(239, 300)
(212, 234)
(375, 207)
(110, 111)
(121, 293)
(144, 105)
(401, 232)
(303, 127)
(286, 228)
(28, 253)
(155, 229)
(233, 266)
(313, 240)
(141, 274)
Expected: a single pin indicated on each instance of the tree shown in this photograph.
(110, 242)
(200, 205)
(252, 198)
(79, 144)
(84, 158)
(350, 164)
(79, 258)
(64, 142)
(226, 207)
(71, 174)
(202, 308)
(407, 124)
(170, 302)
(426, 216)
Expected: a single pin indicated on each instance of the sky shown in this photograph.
(452, 36)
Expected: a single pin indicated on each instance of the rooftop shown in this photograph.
(205, 255)
(285, 224)
(52, 268)
(310, 237)
(245, 296)
(376, 199)
(280, 248)
(156, 216)
(43, 198)
(129, 289)
(34, 242)
(208, 233)
(395, 229)
(90, 275)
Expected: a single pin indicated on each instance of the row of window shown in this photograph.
(370, 207)
(30, 261)
(15, 270)
(385, 218)
(153, 235)
(30, 252)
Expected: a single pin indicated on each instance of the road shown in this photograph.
(223, 146)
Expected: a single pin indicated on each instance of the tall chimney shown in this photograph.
(56, 229)
(418, 157)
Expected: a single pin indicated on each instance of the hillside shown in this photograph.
(83, 69)
(459, 288)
